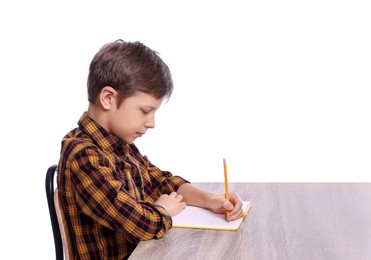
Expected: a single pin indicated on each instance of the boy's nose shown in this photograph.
(150, 123)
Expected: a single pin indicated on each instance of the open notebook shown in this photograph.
(194, 217)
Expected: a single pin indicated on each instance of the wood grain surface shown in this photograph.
(286, 221)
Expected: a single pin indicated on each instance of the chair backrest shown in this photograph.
(65, 235)
(62, 239)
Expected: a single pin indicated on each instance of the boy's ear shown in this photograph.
(107, 97)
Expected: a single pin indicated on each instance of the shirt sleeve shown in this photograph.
(102, 196)
(160, 182)
(164, 181)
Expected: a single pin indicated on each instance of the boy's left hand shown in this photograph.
(219, 204)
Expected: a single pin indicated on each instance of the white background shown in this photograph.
(279, 88)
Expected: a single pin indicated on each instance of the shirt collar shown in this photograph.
(103, 138)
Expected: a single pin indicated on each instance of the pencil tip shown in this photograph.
(224, 161)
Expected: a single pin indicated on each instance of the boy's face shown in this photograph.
(133, 117)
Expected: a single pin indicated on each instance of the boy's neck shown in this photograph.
(96, 113)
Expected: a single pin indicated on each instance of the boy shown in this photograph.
(112, 196)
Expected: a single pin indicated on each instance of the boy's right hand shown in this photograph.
(171, 203)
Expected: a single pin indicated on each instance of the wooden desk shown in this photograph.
(286, 221)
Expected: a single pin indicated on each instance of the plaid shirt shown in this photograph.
(107, 189)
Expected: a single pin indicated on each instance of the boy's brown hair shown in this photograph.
(129, 67)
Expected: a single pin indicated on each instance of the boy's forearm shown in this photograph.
(195, 196)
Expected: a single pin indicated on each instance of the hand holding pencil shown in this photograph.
(228, 203)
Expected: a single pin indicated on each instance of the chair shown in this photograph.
(60, 230)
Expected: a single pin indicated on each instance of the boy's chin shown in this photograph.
(129, 140)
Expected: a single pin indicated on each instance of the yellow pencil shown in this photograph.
(226, 184)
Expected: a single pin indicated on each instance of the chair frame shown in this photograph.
(49, 188)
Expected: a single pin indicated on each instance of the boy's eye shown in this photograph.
(145, 111)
